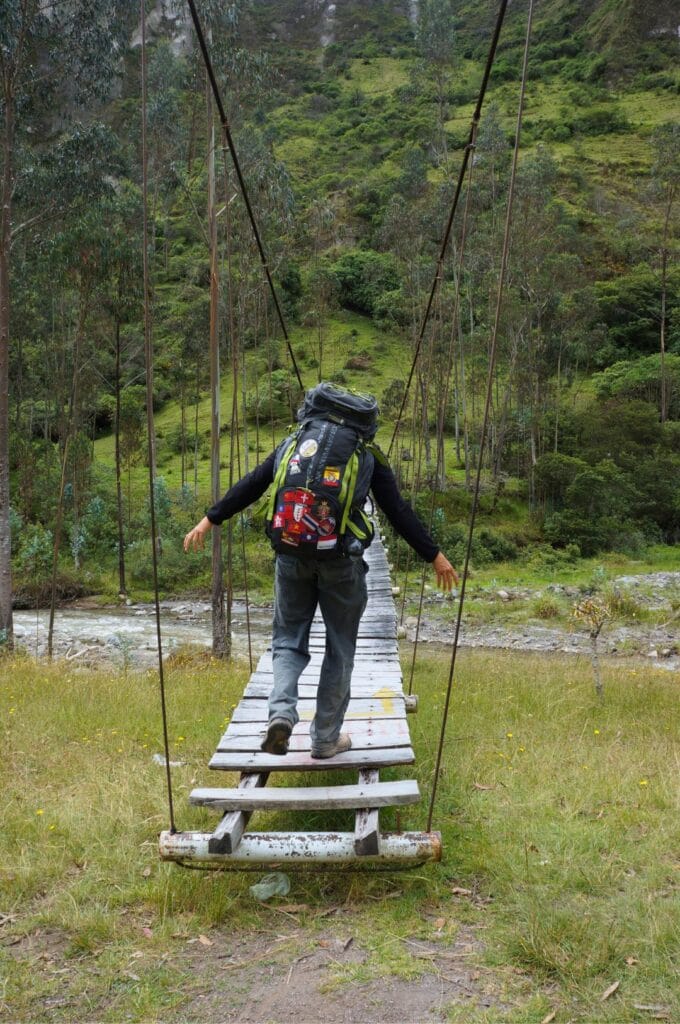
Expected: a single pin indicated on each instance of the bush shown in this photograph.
(545, 608)
(363, 276)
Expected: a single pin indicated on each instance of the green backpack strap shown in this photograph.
(279, 477)
(377, 453)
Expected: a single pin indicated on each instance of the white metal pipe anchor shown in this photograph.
(303, 848)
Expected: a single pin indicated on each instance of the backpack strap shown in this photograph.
(280, 476)
(377, 453)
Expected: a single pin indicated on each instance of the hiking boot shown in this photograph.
(276, 737)
(343, 743)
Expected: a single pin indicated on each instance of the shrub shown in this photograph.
(363, 276)
(545, 607)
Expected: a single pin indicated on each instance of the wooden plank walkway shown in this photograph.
(376, 721)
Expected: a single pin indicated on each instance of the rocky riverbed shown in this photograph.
(126, 635)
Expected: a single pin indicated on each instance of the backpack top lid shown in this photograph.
(351, 408)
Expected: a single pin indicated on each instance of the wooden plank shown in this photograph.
(302, 761)
(390, 676)
(262, 688)
(379, 732)
(367, 820)
(227, 835)
(359, 726)
(256, 709)
(365, 794)
(369, 662)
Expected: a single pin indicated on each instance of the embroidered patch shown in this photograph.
(288, 539)
(294, 465)
(326, 543)
(326, 527)
(308, 448)
(278, 521)
(331, 476)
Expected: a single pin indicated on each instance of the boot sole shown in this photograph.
(276, 740)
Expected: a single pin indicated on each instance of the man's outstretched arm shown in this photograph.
(244, 492)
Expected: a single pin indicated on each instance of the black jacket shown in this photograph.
(383, 485)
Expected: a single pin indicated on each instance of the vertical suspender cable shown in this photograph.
(244, 191)
(487, 407)
(149, 420)
(469, 146)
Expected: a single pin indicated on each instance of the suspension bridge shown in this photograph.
(377, 721)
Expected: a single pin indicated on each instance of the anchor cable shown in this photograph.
(244, 191)
(148, 363)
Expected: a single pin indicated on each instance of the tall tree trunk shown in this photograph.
(662, 332)
(122, 590)
(219, 640)
(6, 624)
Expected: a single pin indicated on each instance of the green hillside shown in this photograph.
(350, 126)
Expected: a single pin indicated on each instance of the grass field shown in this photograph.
(559, 820)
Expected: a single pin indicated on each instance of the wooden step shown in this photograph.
(302, 760)
(379, 794)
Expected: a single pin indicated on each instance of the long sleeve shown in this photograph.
(400, 514)
(244, 492)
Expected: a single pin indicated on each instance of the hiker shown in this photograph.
(321, 476)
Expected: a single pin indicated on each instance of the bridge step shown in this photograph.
(374, 794)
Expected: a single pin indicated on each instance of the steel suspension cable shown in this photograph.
(487, 407)
(469, 146)
(148, 364)
(244, 191)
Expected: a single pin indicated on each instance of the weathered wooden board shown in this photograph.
(366, 732)
(373, 794)
(227, 835)
(367, 820)
(255, 709)
(302, 761)
(263, 687)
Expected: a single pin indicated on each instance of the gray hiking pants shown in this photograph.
(339, 588)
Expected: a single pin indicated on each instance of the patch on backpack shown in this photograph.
(331, 476)
(308, 448)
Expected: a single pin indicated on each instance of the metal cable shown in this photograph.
(487, 407)
(244, 191)
(148, 364)
(454, 205)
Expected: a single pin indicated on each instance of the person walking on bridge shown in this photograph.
(320, 477)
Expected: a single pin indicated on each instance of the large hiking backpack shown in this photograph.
(322, 477)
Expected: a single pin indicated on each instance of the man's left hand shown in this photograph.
(447, 577)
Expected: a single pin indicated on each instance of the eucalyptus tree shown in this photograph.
(436, 39)
(66, 50)
(666, 185)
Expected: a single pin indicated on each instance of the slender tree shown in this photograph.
(44, 49)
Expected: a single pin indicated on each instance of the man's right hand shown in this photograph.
(195, 539)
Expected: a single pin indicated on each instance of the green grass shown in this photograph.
(378, 76)
(560, 816)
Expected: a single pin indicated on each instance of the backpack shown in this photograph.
(348, 408)
(322, 475)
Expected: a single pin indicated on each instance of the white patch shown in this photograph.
(326, 543)
(294, 467)
(308, 448)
